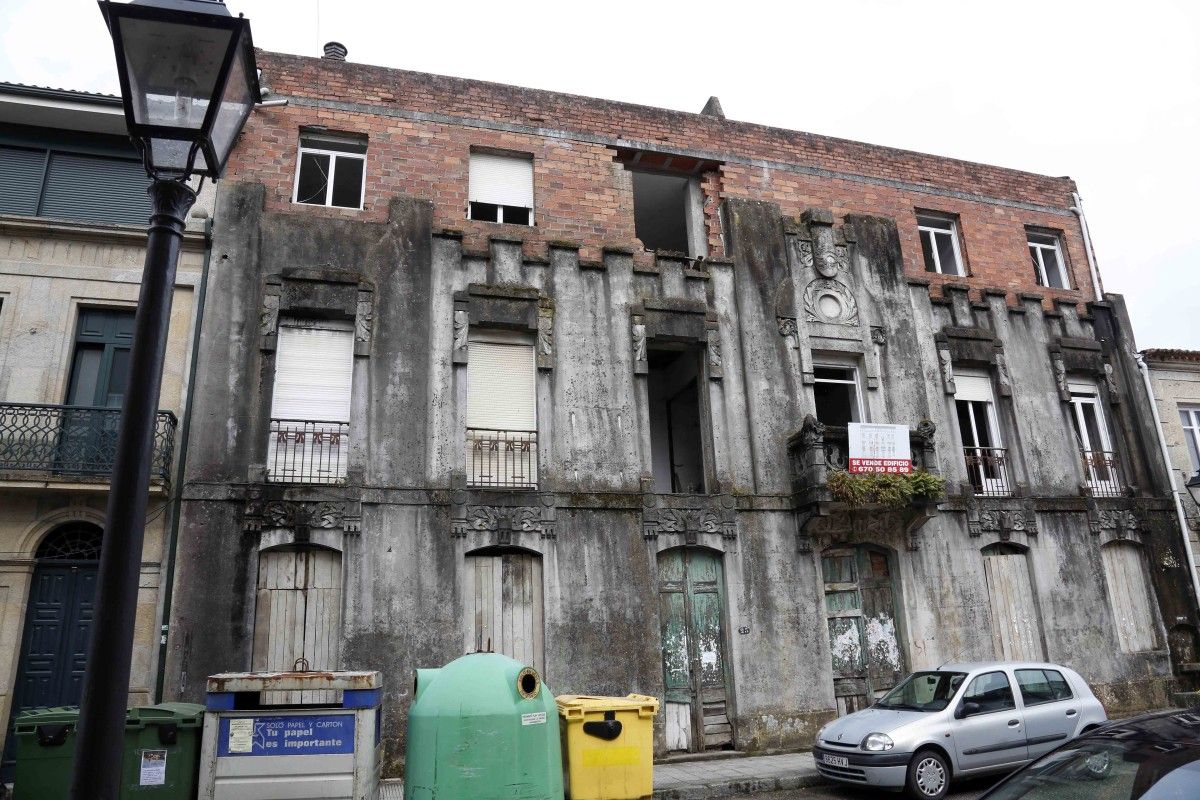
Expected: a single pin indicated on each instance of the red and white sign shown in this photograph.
(879, 448)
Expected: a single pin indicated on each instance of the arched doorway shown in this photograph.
(860, 607)
(504, 605)
(1016, 624)
(691, 603)
(58, 624)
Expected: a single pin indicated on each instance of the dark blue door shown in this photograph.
(58, 622)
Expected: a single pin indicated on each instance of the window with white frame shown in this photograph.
(501, 410)
(331, 171)
(836, 394)
(501, 188)
(1189, 417)
(1091, 434)
(979, 427)
(310, 408)
(1045, 249)
(939, 243)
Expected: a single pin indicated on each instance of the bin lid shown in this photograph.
(47, 716)
(185, 714)
(574, 706)
(293, 681)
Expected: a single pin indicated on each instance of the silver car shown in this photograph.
(957, 720)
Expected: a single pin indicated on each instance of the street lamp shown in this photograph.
(1193, 487)
(188, 82)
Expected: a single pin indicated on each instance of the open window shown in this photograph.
(1045, 250)
(978, 424)
(501, 188)
(939, 243)
(1091, 434)
(676, 443)
(668, 206)
(331, 170)
(836, 394)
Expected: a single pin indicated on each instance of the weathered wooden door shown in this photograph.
(58, 624)
(1016, 627)
(502, 599)
(298, 615)
(861, 610)
(691, 608)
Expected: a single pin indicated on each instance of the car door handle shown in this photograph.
(1012, 723)
(1072, 712)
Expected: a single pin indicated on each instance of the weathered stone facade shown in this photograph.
(792, 285)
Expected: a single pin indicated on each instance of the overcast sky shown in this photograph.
(1106, 92)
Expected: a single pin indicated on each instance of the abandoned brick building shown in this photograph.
(489, 366)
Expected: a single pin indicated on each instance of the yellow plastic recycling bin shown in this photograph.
(608, 746)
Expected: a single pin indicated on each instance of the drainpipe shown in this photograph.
(1162, 444)
(1077, 208)
(177, 503)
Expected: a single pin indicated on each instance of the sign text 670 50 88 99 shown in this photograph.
(879, 448)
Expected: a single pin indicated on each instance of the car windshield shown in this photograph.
(1104, 769)
(923, 691)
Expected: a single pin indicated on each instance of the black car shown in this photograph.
(1154, 757)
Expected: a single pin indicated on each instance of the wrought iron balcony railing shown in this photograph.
(74, 440)
(307, 451)
(499, 459)
(987, 468)
(1103, 474)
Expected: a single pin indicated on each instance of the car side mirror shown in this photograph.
(967, 708)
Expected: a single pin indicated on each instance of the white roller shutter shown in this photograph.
(501, 387)
(501, 180)
(313, 371)
(973, 387)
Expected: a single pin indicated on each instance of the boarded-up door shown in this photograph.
(691, 602)
(860, 609)
(1016, 628)
(299, 615)
(502, 598)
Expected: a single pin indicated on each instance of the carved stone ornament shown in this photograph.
(716, 369)
(704, 515)
(503, 521)
(545, 334)
(462, 326)
(1110, 381)
(640, 365)
(817, 531)
(878, 335)
(1060, 376)
(298, 515)
(946, 363)
(1000, 519)
(830, 262)
(787, 329)
(1122, 522)
(1002, 376)
(806, 255)
(364, 316)
(830, 301)
(268, 317)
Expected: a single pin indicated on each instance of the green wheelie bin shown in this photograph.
(160, 758)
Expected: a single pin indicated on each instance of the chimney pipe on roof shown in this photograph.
(336, 50)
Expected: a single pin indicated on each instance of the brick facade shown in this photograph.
(422, 127)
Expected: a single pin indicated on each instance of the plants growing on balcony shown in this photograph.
(890, 491)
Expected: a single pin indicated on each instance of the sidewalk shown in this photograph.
(699, 780)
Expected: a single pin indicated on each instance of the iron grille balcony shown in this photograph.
(74, 440)
(500, 459)
(307, 451)
(1103, 473)
(988, 470)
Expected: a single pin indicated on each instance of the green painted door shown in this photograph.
(860, 610)
(99, 372)
(691, 609)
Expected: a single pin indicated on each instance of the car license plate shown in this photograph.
(835, 761)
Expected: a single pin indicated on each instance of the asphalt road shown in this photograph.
(966, 790)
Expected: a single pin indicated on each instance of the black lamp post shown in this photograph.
(188, 81)
(1193, 487)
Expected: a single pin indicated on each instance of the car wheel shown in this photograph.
(928, 776)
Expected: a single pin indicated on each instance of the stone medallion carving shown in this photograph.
(298, 515)
(830, 301)
(702, 515)
(1000, 520)
(501, 521)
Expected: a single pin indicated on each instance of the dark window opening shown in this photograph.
(835, 393)
(660, 209)
(676, 445)
(491, 212)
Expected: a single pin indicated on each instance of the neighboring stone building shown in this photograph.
(1175, 376)
(495, 366)
(73, 217)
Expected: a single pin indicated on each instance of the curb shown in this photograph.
(736, 786)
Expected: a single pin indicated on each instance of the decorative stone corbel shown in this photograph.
(364, 321)
(462, 328)
(787, 329)
(946, 363)
(1110, 381)
(641, 366)
(1060, 375)
(1003, 379)
(716, 369)
(545, 334)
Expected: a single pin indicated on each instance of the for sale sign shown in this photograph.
(879, 448)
